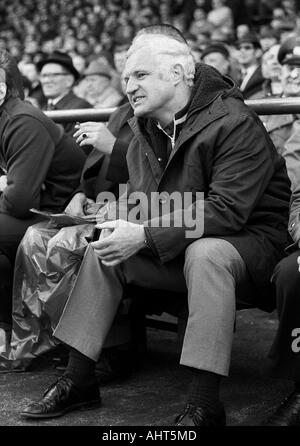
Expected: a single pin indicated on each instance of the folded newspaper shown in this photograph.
(63, 219)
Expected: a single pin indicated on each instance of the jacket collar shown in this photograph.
(206, 106)
(208, 85)
(194, 125)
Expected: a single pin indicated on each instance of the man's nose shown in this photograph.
(46, 80)
(131, 86)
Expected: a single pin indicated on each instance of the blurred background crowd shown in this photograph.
(100, 31)
(71, 54)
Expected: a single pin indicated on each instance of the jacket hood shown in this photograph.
(209, 84)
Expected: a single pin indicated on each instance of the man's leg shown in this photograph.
(98, 290)
(11, 232)
(64, 256)
(213, 268)
(285, 351)
(86, 321)
(97, 294)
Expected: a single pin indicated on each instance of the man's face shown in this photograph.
(267, 43)
(290, 80)
(55, 80)
(148, 85)
(120, 59)
(270, 66)
(96, 83)
(218, 61)
(247, 54)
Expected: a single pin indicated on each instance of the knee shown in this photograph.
(211, 250)
(212, 255)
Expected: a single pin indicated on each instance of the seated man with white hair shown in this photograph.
(211, 199)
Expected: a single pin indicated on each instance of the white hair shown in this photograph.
(169, 51)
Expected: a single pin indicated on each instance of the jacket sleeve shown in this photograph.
(28, 150)
(117, 171)
(291, 155)
(242, 169)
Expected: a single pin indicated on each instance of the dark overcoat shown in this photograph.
(225, 152)
(102, 172)
(43, 164)
(71, 102)
(254, 84)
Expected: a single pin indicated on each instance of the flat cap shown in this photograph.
(289, 51)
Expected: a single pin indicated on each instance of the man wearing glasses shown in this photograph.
(249, 55)
(58, 75)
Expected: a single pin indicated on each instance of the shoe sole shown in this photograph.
(79, 406)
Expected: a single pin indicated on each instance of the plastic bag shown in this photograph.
(47, 263)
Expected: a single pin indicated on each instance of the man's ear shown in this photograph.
(3, 91)
(70, 80)
(178, 74)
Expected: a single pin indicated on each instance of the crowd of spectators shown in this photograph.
(101, 29)
(75, 50)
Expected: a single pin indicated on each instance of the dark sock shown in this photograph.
(81, 369)
(204, 389)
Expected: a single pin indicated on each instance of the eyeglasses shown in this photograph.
(52, 76)
(246, 47)
(292, 67)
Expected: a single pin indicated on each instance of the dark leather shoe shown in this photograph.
(63, 396)
(198, 416)
(288, 413)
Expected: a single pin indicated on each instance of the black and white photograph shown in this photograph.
(149, 217)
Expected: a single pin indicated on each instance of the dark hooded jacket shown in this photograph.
(43, 164)
(223, 151)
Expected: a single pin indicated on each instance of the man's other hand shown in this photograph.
(76, 205)
(96, 134)
(124, 240)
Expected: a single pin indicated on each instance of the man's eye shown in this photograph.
(141, 75)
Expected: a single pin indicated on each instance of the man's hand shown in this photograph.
(298, 261)
(3, 182)
(75, 207)
(95, 134)
(125, 240)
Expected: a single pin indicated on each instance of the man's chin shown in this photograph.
(139, 112)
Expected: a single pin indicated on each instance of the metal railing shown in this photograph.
(275, 106)
(80, 114)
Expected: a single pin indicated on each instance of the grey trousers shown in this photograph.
(210, 272)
